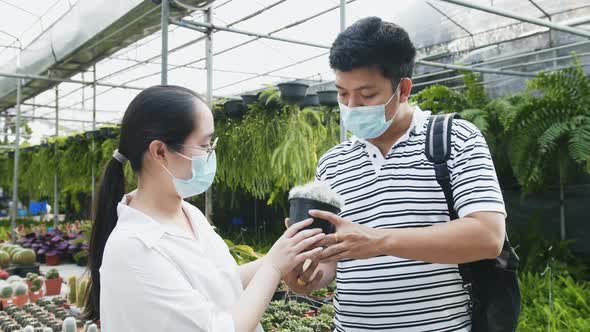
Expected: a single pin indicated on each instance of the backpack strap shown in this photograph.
(438, 151)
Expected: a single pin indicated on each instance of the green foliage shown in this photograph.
(551, 129)
(568, 309)
(270, 150)
(242, 253)
(292, 316)
(440, 99)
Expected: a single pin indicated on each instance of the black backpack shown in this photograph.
(492, 283)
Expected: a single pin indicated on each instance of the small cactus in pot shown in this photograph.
(314, 196)
(20, 297)
(69, 325)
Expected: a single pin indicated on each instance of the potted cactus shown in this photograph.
(82, 292)
(4, 259)
(73, 285)
(328, 98)
(69, 325)
(36, 289)
(29, 278)
(53, 282)
(293, 92)
(6, 295)
(314, 196)
(20, 297)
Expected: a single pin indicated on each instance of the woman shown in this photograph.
(156, 264)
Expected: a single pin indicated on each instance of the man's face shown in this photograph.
(367, 86)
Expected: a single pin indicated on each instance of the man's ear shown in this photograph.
(405, 88)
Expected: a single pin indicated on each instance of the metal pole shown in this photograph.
(16, 160)
(65, 80)
(164, 22)
(342, 28)
(93, 195)
(209, 66)
(476, 69)
(533, 20)
(198, 25)
(55, 179)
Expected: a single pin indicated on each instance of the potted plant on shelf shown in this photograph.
(293, 92)
(314, 196)
(249, 99)
(53, 282)
(36, 290)
(234, 109)
(20, 297)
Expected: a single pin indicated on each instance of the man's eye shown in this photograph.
(369, 97)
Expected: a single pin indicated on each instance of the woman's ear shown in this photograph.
(158, 151)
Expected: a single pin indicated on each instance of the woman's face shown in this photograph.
(195, 144)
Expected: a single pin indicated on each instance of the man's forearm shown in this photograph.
(459, 241)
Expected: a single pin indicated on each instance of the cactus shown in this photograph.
(92, 328)
(13, 279)
(20, 289)
(52, 274)
(69, 325)
(36, 284)
(6, 292)
(72, 283)
(24, 257)
(31, 276)
(29, 328)
(48, 329)
(4, 259)
(82, 292)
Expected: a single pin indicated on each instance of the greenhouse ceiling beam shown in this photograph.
(198, 25)
(475, 69)
(510, 14)
(88, 110)
(67, 80)
(46, 119)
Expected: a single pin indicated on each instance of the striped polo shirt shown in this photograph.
(390, 293)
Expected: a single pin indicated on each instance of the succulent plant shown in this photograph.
(31, 276)
(82, 292)
(4, 259)
(58, 301)
(52, 274)
(20, 288)
(318, 191)
(69, 325)
(36, 284)
(24, 257)
(92, 328)
(6, 292)
(13, 279)
(48, 329)
(73, 284)
(29, 328)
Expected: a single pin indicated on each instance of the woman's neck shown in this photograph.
(151, 199)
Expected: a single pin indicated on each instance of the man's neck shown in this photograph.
(398, 128)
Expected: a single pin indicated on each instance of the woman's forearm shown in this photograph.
(248, 311)
(247, 271)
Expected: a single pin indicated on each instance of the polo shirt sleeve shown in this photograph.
(473, 176)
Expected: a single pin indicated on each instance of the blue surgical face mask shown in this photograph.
(203, 170)
(367, 122)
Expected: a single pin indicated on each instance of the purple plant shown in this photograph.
(54, 242)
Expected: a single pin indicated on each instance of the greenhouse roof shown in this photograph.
(444, 32)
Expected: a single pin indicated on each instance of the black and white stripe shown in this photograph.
(389, 293)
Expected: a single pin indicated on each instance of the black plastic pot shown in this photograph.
(234, 109)
(293, 92)
(279, 295)
(23, 270)
(107, 132)
(328, 98)
(249, 99)
(311, 100)
(92, 134)
(299, 211)
(272, 104)
(218, 114)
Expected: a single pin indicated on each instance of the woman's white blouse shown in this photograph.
(155, 277)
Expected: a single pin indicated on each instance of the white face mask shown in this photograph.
(367, 122)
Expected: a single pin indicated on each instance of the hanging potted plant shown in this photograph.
(311, 100)
(293, 92)
(36, 290)
(53, 282)
(270, 98)
(249, 99)
(92, 134)
(314, 196)
(234, 108)
(328, 98)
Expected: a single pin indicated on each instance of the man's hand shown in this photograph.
(350, 241)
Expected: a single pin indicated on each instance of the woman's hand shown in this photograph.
(290, 250)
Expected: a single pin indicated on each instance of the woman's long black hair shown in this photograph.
(162, 112)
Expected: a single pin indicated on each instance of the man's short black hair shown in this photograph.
(371, 42)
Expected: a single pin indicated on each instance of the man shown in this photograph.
(393, 273)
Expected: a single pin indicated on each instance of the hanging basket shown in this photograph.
(234, 109)
(311, 100)
(249, 99)
(293, 92)
(328, 98)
